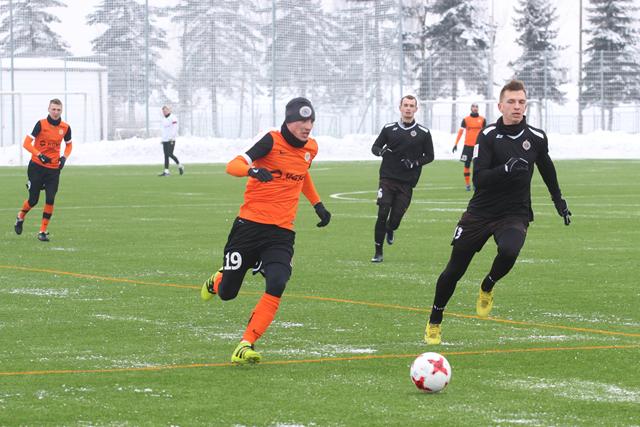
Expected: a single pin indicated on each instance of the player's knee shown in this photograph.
(509, 250)
(50, 200)
(227, 293)
(383, 212)
(33, 200)
(277, 275)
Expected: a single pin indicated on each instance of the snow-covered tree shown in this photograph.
(32, 33)
(219, 43)
(538, 65)
(457, 44)
(121, 47)
(611, 74)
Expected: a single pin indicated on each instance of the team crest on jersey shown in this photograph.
(60, 131)
(307, 156)
(414, 133)
(526, 144)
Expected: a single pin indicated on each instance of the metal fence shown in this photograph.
(228, 68)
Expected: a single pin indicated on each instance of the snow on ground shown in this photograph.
(597, 145)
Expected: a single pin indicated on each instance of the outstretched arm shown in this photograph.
(550, 178)
(309, 191)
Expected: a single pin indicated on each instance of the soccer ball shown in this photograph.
(430, 372)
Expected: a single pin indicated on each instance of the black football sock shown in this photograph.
(436, 315)
(488, 283)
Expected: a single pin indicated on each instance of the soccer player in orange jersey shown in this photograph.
(45, 165)
(472, 125)
(262, 235)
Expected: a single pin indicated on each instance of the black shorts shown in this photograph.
(467, 155)
(41, 178)
(472, 232)
(394, 193)
(250, 242)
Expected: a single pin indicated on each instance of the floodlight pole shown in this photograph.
(13, 87)
(146, 65)
(580, 118)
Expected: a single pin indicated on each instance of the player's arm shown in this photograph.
(550, 178)
(67, 148)
(380, 147)
(28, 144)
(427, 151)
(463, 125)
(174, 128)
(310, 192)
(242, 165)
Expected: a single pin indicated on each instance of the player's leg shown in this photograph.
(400, 205)
(51, 182)
(165, 149)
(467, 174)
(34, 185)
(276, 260)
(510, 240)
(469, 237)
(384, 202)
(172, 146)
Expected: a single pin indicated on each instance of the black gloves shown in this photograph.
(323, 213)
(455, 148)
(377, 151)
(261, 174)
(516, 165)
(409, 164)
(43, 158)
(563, 209)
(63, 159)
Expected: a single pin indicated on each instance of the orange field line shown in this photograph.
(319, 360)
(329, 299)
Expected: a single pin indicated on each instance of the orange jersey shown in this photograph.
(473, 126)
(276, 202)
(46, 138)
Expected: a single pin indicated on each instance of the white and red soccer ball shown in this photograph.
(430, 372)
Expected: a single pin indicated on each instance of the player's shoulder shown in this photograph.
(422, 128)
(390, 124)
(539, 133)
(490, 130)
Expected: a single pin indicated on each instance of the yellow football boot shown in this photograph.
(433, 334)
(244, 353)
(207, 292)
(484, 303)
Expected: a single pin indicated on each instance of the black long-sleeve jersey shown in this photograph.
(404, 141)
(498, 192)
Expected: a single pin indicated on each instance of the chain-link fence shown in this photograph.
(228, 68)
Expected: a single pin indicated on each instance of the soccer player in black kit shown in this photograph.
(405, 146)
(504, 158)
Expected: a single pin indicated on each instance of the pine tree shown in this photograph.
(458, 45)
(611, 74)
(32, 33)
(121, 47)
(538, 65)
(219, 43)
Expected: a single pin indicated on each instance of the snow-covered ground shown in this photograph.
(598, 145)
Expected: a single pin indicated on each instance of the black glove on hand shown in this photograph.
(516, 164)
(377, 151)
(324, 214)
(261, 174)
(563, 210)
(63, 159)
(455, 148)
(409, 164)
(43, 158)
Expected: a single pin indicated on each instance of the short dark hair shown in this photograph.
(409, 97)
(55, 101)
(513, 85)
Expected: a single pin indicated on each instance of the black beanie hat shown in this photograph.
(299, 109)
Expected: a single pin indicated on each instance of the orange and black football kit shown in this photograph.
(44, 168)
(263, 234)
(471, 125)
(405, 148)
(504, 161)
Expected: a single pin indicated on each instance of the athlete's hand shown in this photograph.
(455, 148)
(563, 210)
(323, 214)
(409, 164)
(44, 159)
(516, 165)
(261, 174)
(63, 159)
(377, 151)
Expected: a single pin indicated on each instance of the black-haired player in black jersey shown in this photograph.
(504, 159)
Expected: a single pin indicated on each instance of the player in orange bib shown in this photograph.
(472, 125)
(262, 235)
(46, 163)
